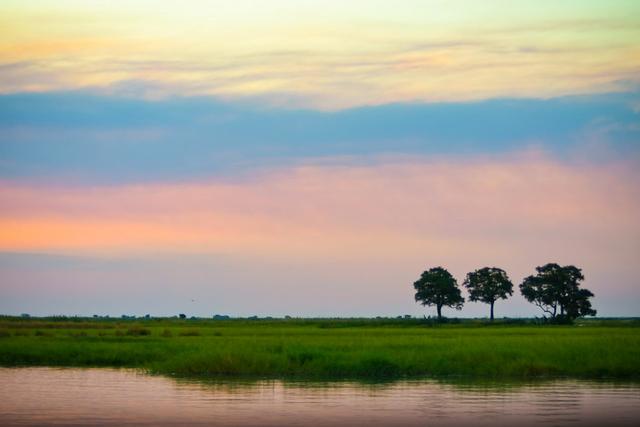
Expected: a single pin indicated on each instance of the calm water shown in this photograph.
(49, 396)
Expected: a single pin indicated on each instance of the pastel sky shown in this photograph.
(313, 158)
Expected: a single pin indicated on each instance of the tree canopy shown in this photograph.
(487, 285)
(556, 290)
(438, 287)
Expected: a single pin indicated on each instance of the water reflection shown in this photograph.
(36, 396)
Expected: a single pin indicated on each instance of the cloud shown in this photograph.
(331, 208)
(304, 58)
(88, 138)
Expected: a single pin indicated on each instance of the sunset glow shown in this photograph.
(306, 151)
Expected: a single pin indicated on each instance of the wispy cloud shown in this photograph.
(381, 56)
(410, 199)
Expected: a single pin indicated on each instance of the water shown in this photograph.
(110, 397)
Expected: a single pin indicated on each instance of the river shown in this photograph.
(112, 397)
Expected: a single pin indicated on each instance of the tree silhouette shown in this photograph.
(438, 287)
(557, 288)
(487, 285)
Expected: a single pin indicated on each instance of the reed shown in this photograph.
(330, 348)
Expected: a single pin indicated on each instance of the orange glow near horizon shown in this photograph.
(388, 209)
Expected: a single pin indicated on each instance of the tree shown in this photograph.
(438, 287)
(488, 285)
(556, 288)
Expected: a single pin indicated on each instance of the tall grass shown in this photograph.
(332, 349)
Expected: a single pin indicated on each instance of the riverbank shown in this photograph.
(319, 349)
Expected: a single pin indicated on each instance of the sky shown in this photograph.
(311, 158)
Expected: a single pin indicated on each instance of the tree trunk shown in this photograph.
(439, 312)
(492, 310)
(554, 311)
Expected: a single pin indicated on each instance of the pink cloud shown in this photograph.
(341, 210)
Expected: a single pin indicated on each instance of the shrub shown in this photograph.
(138, 331)
(190, 333)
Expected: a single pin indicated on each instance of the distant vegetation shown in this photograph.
(554, 289)
(329, 348)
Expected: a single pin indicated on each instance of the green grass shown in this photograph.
(329, 349)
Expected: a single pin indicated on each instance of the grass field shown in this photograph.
(320, 349)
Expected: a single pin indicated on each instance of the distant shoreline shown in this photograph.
(404, 318)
